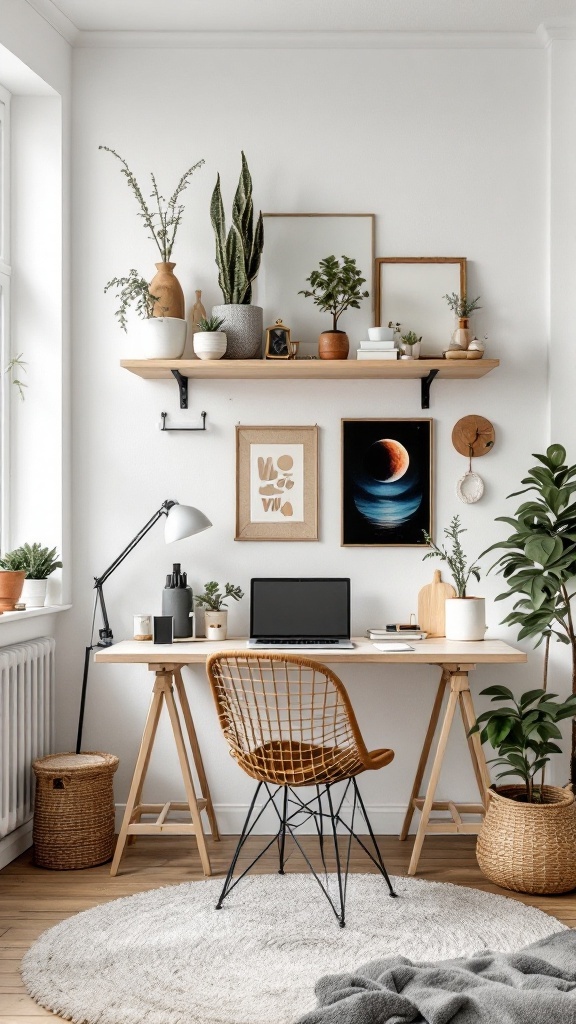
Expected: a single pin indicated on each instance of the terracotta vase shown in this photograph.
(462, 335)
(11, 584)
(168, 290)
(333, 345)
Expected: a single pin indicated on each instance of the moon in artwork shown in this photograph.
(387, 460)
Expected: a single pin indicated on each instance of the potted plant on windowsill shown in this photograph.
(37, 563)
(462, 309)
(162, 225)
(209, 341)
(216, 613)
(334, 288)
(465, 615)
(238, 255)
(155, 337)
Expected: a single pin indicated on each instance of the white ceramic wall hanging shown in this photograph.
(472, 436)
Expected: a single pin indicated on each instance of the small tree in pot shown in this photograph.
(335, 287)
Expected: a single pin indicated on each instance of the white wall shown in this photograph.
(449, 149)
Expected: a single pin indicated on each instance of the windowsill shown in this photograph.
(33, 613)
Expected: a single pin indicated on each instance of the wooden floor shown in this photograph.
(33, 899)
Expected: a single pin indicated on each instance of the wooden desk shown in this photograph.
(455, 659)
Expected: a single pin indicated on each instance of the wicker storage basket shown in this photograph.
(529, 847)
(74, 811)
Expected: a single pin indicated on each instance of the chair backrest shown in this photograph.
(287, 719)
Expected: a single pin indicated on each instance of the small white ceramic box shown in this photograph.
(381, 334)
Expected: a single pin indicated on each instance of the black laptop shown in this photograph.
(300, 614)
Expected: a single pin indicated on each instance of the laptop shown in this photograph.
(300, 614)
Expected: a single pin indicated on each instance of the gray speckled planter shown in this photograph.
(244, 327)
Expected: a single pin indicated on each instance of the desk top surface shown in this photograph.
(437, 651)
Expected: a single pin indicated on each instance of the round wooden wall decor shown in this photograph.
(473, 436)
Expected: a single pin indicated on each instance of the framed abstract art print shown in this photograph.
(276, 483)
(386, 482)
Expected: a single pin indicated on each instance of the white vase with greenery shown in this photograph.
(213, 600)
(465, 615)
(151, 336)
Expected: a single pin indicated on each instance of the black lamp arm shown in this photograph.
(162, 511)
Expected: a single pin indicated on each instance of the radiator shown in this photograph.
(27, 680)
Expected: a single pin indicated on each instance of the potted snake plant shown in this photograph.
(238, 255)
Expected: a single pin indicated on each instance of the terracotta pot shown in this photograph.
(166, 287)
(333, 345)
(529, 847)
(11, 584)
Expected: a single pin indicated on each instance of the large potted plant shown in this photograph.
(528, 838)
(334, 288)
(238, 255)
(216, 612)
(162, 225)
(465, 615)
(155, 337)
(37, 563)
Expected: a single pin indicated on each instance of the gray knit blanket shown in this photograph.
(537, 985)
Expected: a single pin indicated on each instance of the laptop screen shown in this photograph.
(300, 608)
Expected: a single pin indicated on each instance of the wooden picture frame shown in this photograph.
(387, 482)
(424, 310)
(278, 342)
(276, 483)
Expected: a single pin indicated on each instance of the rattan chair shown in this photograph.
(288, 722)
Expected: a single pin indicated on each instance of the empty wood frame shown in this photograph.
(409, 290)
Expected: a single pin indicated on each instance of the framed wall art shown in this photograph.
(410, 289)
(276, 483)
(386, 482)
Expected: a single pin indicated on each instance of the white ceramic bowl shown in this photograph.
(381, 334)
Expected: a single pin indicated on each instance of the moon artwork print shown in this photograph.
(386, 482)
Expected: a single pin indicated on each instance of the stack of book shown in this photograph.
(395, 635)
(377, 350)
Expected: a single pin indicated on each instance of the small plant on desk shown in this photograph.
(456, 560)
(213, 599)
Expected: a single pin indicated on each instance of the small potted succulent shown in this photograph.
(209, 340)
(334, 288)
(410, 345)
(214, 603)
(465, 615)
(32, 564)
(462, 309)
(157, 337)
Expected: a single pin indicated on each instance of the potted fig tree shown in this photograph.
(335, 287)
(238, 256)
(216, 612)
(528, 838)
(465, 615)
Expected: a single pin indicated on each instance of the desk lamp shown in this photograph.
(182, 521)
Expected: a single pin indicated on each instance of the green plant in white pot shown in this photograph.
(209, 341)
(410, 345)
(213, 600)
(37, 563)
(153, 336)
(465, 615)
(238, 255)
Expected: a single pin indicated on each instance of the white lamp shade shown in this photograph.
(184, 521)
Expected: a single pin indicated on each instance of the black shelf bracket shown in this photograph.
(183, 389)
(164, 427)
(425, 383)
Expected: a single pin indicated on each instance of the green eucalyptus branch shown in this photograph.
(455, 559)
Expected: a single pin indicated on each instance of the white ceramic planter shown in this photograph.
(410, 351)
(34, 593)
(159, 337)
(381, 333)
(216, 624)
(244, 330)
(209, 344)
(465, 618)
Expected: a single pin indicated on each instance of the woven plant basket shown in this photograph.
(529, 847)
(74, 810)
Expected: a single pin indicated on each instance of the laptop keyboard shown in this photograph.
(294, 642)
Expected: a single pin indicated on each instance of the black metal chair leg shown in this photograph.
(241, 841)
(283, 830)
(373, 838)
(341, 920)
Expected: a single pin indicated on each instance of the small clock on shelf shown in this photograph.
(278, 345)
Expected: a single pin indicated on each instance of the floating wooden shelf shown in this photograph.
(425, 370)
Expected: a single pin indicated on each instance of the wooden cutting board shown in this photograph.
(431, 605)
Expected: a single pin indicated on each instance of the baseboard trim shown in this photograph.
(15, 843)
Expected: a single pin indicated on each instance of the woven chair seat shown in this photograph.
(293, 763)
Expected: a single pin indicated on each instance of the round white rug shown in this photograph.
(167, 957)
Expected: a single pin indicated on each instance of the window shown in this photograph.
(5, 276)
